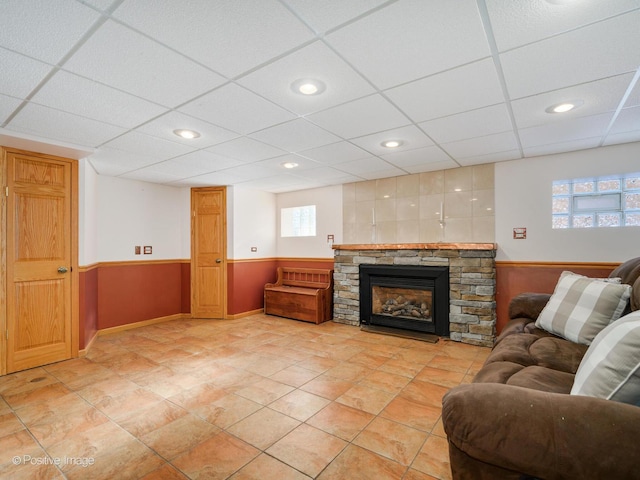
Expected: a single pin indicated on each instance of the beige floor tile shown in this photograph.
(216, 458)
(265, 391)
(356, 463)
(327, 386)
(341, 420)
(226, 398)
(364, 398)
(299, 404)
(228, 410)
(433, 458)
(265, 467)
(179, 436)
(411, 413)
(391, 440)
(307, 449)
(263, 428)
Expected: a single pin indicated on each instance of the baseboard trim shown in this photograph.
(245, 314)
(143, 323)
(85, 350)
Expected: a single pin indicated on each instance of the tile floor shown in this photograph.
(260, 397)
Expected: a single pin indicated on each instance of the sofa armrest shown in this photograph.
(545, 435)
(528, 305)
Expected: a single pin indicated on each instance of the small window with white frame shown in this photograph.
(610, 201)
(298, 221)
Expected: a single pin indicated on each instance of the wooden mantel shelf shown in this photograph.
(416, 246)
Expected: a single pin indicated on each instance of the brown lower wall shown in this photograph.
(113, 295)
(513, 278)
(122, 293)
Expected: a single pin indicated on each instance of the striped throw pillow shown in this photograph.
(581, 307)
(611, 367)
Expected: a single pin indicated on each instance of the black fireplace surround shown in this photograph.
(421, 303)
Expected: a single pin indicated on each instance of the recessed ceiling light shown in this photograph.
(564, 106)
(308, 86)
(289, 164)
(188, 134)
(391, 143)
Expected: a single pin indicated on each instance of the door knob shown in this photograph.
(218, 260)
(63, 269)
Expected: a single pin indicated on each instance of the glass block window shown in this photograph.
(612, 201)
(298, 221)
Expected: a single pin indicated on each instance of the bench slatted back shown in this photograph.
(305, 277)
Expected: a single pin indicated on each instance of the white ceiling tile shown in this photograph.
(237, 109)
(281, 183)
(327, 174)
(628, 120)
(7, 106)
(417, 157)
(196, 163)
(77, 95)
(411, 137)
(112, 162)
(566, 131)
(295, 136)
(431, 166)
(317, 62)
(124, 59)
(411, 39)
(216, 178)
(465, 88)
(496, 143)
(43, 29)
(626, 137)
(164, 126)
(246, 149)
(474, 123)
(598, 97)
(328, 14)
(562, 147)
(590, 53)
(545, 19)
(490, 158)
(360, 117)
(141, 144)
(277, 164)
(339, 152)
(26, 73)
(250, 171)
(62, 126)
(152, 175)
(229, 36)
(369, 168)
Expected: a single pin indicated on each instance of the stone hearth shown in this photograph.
(472, 282)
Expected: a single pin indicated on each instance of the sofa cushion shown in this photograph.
(581, 307)
(611, 367)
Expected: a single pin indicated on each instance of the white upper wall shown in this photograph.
(130, 213)
(250, 223)
(87, 213)
(328, 202)
(523, 199)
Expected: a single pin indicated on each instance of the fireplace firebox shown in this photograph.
(405, 297)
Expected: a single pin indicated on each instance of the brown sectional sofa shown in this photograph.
(517, 420)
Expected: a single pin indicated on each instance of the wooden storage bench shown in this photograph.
(301, 293)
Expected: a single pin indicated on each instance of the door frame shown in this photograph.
(193, 279)
(75, 291)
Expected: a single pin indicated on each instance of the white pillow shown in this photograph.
(611, 366)
(581, 307)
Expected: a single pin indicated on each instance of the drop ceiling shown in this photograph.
(458, 83)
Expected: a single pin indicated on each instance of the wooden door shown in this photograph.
(41, 250)
(208, 252)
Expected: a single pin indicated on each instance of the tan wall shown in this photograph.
(407, 209)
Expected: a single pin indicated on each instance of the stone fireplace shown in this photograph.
(471, 287)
